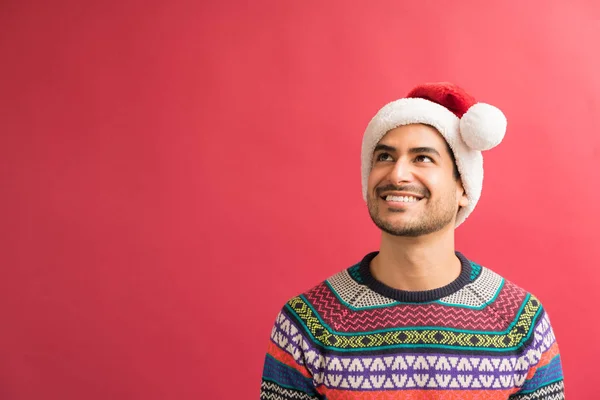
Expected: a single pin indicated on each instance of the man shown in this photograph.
(418, 320)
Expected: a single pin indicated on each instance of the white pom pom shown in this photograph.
(482, 127)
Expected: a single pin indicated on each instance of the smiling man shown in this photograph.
(417, 319)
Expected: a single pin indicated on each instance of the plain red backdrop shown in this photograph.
(172, 172)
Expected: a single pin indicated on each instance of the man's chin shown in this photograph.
(395, 228)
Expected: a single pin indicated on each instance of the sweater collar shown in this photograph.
(414, 296)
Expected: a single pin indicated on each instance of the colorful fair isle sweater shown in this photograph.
(352, 337)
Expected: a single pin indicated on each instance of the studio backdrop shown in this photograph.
(174, 171)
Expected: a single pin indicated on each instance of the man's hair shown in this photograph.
(456, 173)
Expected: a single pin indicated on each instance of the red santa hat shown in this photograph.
(467, 126)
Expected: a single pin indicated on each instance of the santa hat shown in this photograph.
(467, 126)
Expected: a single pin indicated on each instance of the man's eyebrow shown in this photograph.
(384, 147)
(424, 150)
(414, 150)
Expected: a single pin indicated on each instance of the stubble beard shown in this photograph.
(433, 218)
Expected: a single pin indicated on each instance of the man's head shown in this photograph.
(427, 145)
(412, 187)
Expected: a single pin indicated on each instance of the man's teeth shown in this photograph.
(405, 199)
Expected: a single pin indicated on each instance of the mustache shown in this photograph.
(405, 188)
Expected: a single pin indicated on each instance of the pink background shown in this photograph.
(173, 171)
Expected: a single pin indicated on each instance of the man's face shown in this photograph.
(412, 190)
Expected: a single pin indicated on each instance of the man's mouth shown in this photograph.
(400, 199)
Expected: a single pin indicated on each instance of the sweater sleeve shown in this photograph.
(285, 373)
(543, 379)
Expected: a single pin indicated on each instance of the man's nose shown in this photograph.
(402, 172)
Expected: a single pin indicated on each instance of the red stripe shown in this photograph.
(419, 394)
(287, 359)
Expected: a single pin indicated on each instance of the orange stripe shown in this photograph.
(418, 394)
(286, 358)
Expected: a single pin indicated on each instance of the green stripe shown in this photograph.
(427, 345)
(418, 346)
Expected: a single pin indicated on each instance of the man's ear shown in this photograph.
(464, 201)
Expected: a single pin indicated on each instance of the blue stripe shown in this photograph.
(285, 376)
(544, 376)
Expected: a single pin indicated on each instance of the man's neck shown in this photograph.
(417, 263)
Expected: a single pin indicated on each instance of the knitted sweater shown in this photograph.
(352, 337)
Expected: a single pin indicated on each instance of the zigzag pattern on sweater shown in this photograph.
(554, 391)
(338, 317)
(272, 391)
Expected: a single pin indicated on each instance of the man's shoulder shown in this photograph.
(488, 277)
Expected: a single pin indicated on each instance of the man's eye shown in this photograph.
(423, 159)
(384, 157)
